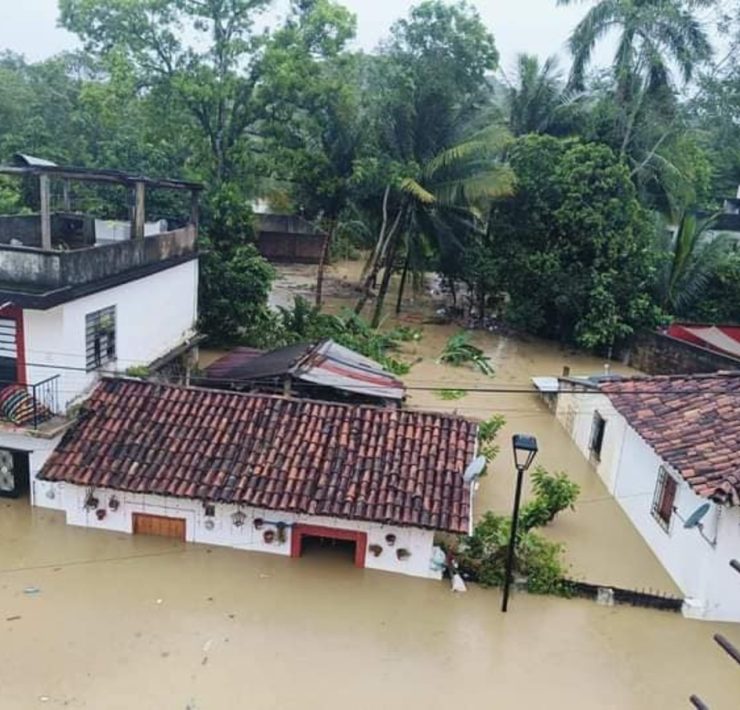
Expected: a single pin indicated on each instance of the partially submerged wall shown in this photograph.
(659, 354)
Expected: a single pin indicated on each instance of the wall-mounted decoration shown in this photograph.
(375, 550)
(91, 501)
(239, 518)
(268, 536)
(100, 513)
(209, 524)
(282, 536)
(210, 510)
(390, 538)
(114, 503)
(402, 554)
(258, 523)
(50, 494)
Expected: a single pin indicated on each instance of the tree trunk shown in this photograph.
(372, 277)
(403, 283)
(390, 261)
(322, 262)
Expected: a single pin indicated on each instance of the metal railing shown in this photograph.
(29, 405)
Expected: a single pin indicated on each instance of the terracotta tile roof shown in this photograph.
(366, 463)
(692, 422)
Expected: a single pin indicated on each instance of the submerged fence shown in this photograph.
(615, 595)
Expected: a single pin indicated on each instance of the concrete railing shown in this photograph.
(36, 270)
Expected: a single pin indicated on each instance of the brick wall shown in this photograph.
(659, 354)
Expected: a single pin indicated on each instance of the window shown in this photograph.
(665, 498)
(100, 337)
(597, 436)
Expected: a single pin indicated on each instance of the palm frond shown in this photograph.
(413, 188)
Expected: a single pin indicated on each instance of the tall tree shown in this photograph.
(429, 83)
(214, 75)
(653, 35)
(536, 100)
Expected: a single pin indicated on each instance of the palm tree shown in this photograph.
(690, 257)
(537, 101)
(431, 209)
(654, 35)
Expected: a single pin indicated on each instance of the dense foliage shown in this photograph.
(535, 196)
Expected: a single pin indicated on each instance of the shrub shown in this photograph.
(482, 556)
(553, 493)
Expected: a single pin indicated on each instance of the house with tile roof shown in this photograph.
(668, 449)
(264, 472)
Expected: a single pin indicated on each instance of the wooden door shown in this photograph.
(160, 525)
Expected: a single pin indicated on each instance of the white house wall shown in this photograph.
(71, 499)
(154, 314)
(575, 411)
(629, 467)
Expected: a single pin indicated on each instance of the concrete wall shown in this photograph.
(297, 248)
(659, 354)
(37, 270)
(576, 411)
(71, 499)
(629, 468)
(154, 314)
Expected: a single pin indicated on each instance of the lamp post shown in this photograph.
(525, 449)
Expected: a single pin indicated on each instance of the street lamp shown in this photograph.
(525, 449)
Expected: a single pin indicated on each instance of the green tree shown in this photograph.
(213, 76)
(572, 248)
(653, 36)
(536, 101)
(690, 257)
(719, 301)
(314, 125)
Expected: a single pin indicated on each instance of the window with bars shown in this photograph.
(100, 337)
(665, 498)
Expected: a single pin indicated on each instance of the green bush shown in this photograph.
(553, 493)
(483, 556)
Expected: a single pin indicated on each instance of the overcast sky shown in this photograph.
(536, 26)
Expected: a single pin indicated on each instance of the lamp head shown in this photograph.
(525, 449)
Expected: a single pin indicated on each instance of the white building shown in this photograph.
(264, 473)
(76, 301)
(668, 449)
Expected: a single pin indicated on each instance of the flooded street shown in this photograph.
(100, 620)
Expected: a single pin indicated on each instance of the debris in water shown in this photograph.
(264, 576)
(12, 618)
(165, 654)
(44, 698)
(31, 590)
(159, 601)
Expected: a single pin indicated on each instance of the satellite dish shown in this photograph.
(696, 517)
(475, 469)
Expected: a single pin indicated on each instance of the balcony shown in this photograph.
(58, 254)
(37, 271)
(31, 406)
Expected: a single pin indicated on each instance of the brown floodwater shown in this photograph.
(99, 620)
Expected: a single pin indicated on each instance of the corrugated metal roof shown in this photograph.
(327, 364)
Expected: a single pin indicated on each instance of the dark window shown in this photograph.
(597, 435)
(665, 497)
(100, 337)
